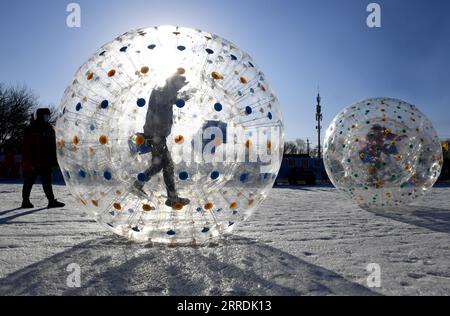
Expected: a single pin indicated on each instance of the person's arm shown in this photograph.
(53, 157)
(26, 150)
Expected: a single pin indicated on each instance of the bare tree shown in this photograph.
(297, 146)
(16, 107)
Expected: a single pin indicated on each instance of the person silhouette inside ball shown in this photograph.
(380, 140)
(158, 126)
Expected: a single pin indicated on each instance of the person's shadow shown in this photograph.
(435, 219)
(7, 220)
(232, 266)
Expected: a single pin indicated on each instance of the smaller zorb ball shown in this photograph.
(382, 152)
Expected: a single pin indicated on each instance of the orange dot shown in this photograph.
(117, 206)
(208, 206)
(111, 73)
(216, 75)
(82, 201)
(269, 145)
(178, 207)
(398, 157)
(146, 207)
(76, 140)
(103, 139)
(118, 192)
(95, 203)
(139, 140)
(248, 143)
(90, 76)
(233, 205)
(181, 71)
(61, 143)
(251, 201)
(263, 88)
(145, 69)
(243, 80)
(179, 139)
(218, 141)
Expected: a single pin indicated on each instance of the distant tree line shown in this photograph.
(17, 107)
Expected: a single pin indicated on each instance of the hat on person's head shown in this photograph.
(41, 112)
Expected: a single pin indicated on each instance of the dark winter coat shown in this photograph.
(39, 147)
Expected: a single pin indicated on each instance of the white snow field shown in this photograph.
(302, 241)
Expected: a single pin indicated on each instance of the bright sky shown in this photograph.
(298, 44)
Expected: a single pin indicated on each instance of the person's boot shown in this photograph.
(27, 204)
(55, 204)
(137, 189)
(176, 202)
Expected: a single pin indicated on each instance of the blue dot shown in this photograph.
(269, 115)
(199, 209)
(142, 177)
(205, 230)
(209, 51)
(124, 49)
(215, 175)
(140, 102)
(248, 110)
(152, 46)
(107, 175)
(243, 177)
(78, 107)
(251, 65)
(92, 127)
(136, 229)
(252, 90)
(183, 175)
(102, 53)
(180, 103)
(181, 48)
(171, 232)
(82, 173)
(104, 104)
(233, 57)
(218, 107)
(67, 174)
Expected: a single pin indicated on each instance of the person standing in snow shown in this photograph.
(39, 157)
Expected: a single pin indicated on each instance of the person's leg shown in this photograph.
(154, 168)
(46, 177)
(30, 178)
(168, 171)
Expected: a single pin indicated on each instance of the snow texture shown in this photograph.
(301, 241)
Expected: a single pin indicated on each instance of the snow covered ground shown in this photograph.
(302, 241)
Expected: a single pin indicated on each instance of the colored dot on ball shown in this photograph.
(181, 48)
(151, 46)
(111, 73)
(205, 230)
(140, 102)
(107, 175)
(76, 140)
(103, 140)
(251, 64)
(123, 49)
(95, 203)
(104, 104)
(142, 177)
(215, 175)
(82, 173)
(208, 206)
(209, 51)
(269, 115)
(171, 232)
(146, 208)
(117, 206)
(233, 205)
(179, 139)
(145, 69)
(216, 75)
(183, 175)
(139, 140)
(243, 177)
(243, 80)
(180, 103)
(181, 71)
(218, 107)
(78, 107)
(248, 110)
(233, 57)
(90, 76)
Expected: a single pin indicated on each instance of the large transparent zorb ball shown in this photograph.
(382, 152)
(169, 134)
